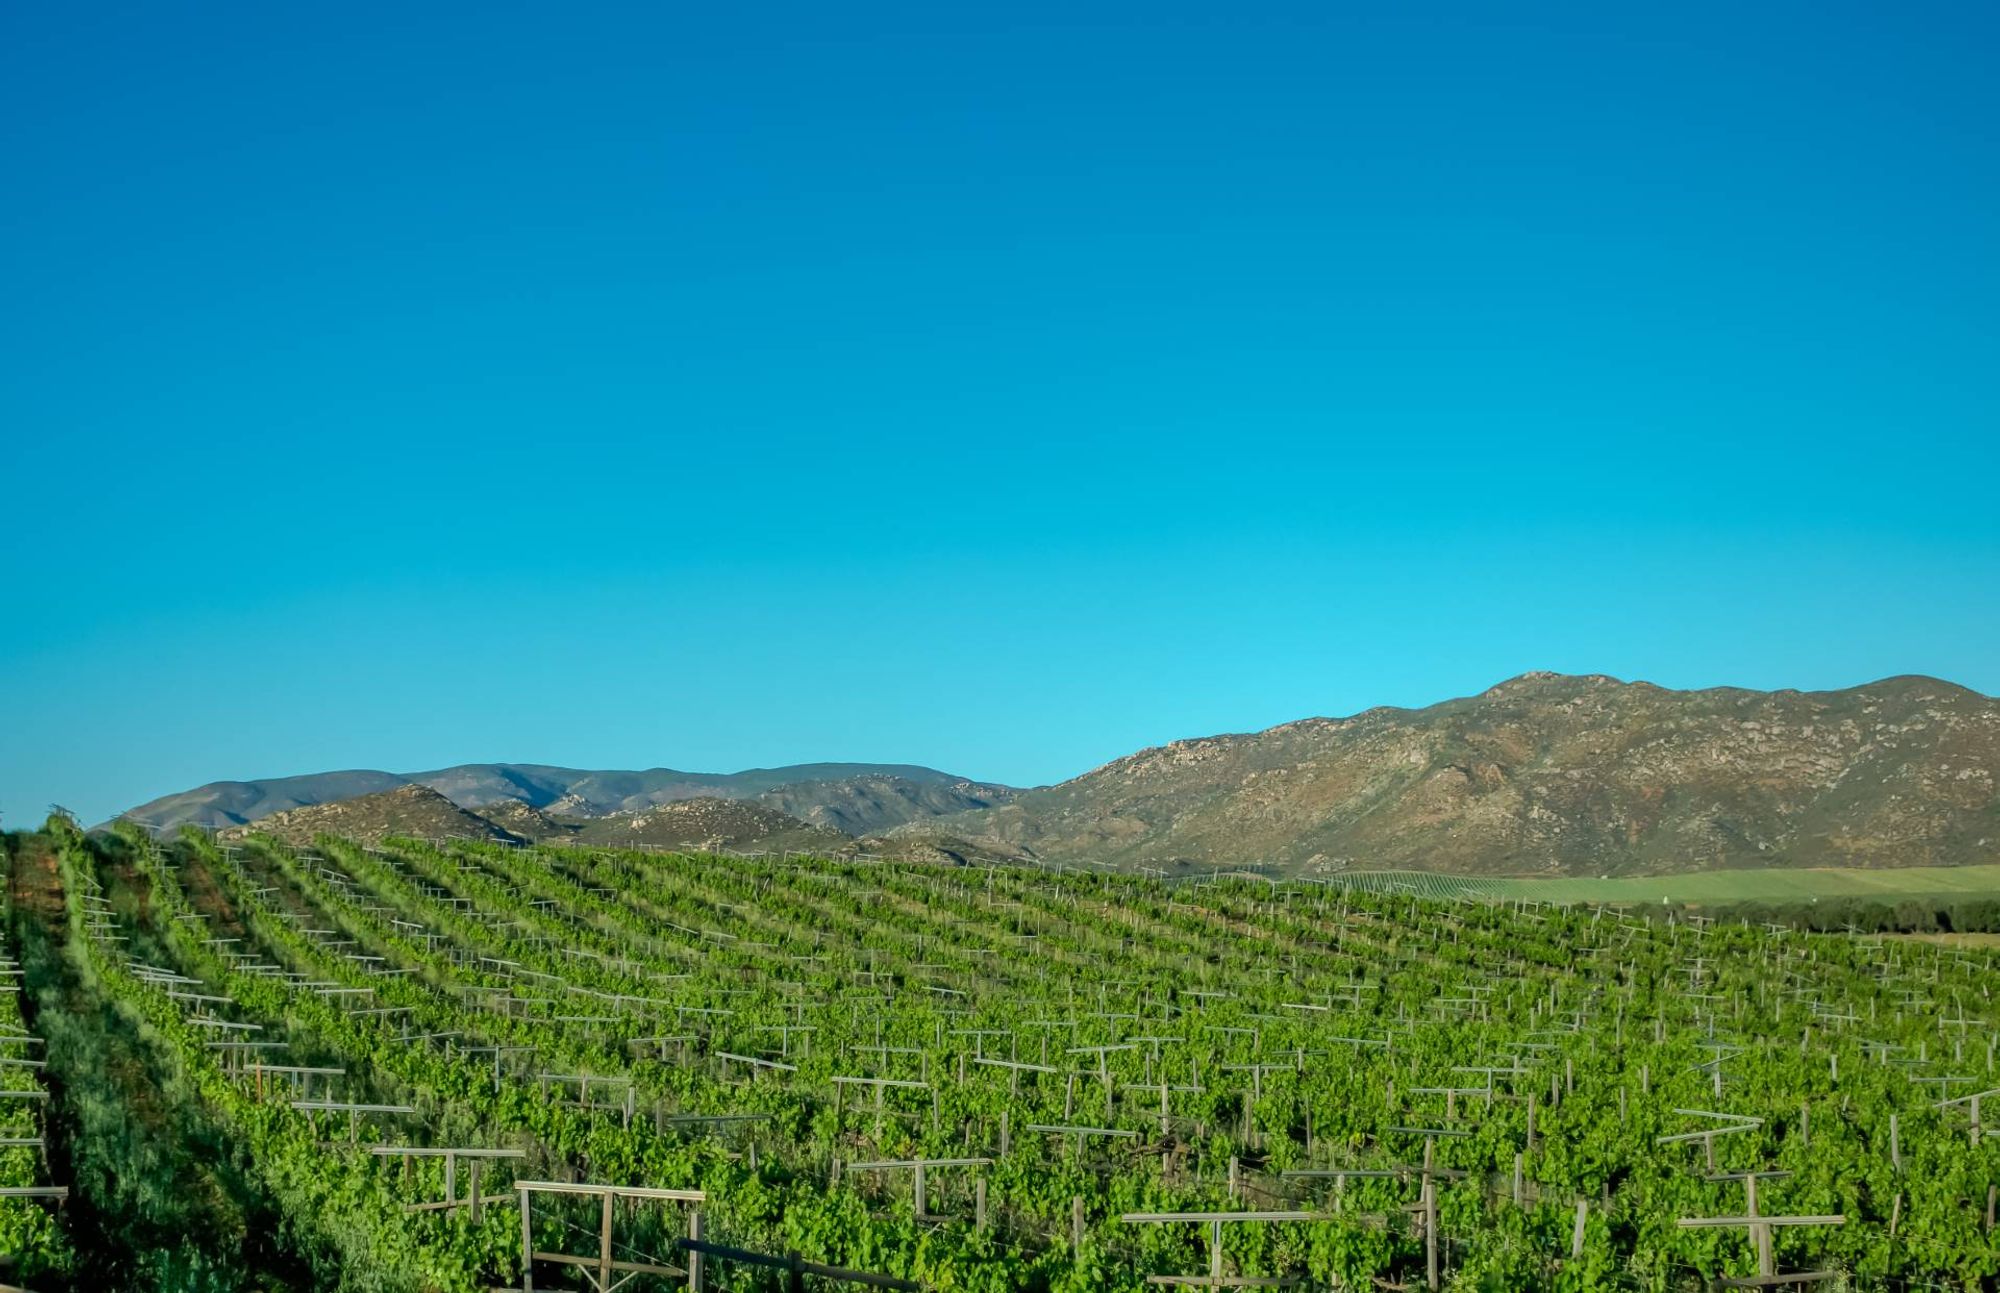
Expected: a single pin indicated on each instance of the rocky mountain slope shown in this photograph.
(856, 797)
(709, 823)
(405, 810)
(1546, 773)
(870, 805)
(517, 818)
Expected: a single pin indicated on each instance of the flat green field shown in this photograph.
(1774, 885)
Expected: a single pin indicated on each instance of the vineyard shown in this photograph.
(456, 1066)
(1774, 885)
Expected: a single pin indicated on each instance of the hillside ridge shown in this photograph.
(1540, 774)
(1544, 773)
(863, 796)
(411, 809)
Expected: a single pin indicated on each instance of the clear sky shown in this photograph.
(1003, 389)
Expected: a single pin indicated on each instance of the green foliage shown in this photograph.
(1293, 1027)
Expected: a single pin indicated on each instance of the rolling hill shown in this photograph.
(708, 823)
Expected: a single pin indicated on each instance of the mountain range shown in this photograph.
(851, 798)
(1542, 774)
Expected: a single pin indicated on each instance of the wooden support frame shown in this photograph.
(1759, 1227)
(603, 1269)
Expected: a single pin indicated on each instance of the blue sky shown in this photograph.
(1002, 389)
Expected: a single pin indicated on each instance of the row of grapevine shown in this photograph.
(31, 1237)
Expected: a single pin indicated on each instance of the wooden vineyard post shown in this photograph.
(527, 1243)
(1430, 1232)
(604, 1248)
